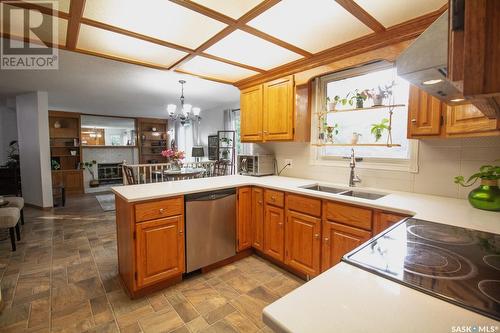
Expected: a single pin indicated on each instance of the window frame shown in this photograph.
(409, 164)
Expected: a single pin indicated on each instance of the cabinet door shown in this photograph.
(274, 233)
(424, 113)
(466, 118)
(338, 240)
(258, 218)
(251, 114)
(384, 220)
(303, 242)
(73, 181)
(279, 104)
(160, 249)
(244, 219)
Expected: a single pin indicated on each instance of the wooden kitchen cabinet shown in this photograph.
(160, 249)
(303, 243)
(383, 220)
(339, 239)
(430, 118)
(274, 232)
(258, 218)
(251, 114)
(279, 109)
(424, 113)
(244, 219)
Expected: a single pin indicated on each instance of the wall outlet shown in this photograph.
(289, 162)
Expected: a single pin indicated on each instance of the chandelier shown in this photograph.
(186, 113)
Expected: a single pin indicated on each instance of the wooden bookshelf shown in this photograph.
(153, 138)
(65, 149)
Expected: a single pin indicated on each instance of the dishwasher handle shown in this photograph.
(210, 196)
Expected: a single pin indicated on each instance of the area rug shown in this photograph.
(107, 202)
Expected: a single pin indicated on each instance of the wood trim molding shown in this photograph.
(42, 9)
(361, 14)
(203, 76)
(395, 34)
(75, 15)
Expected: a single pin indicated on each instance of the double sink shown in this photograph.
(343, 191)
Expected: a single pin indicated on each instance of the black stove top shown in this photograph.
(459, 265)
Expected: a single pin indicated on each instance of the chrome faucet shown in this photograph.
(353, 178)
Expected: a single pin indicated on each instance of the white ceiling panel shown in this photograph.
(311, 25)
(160, 19)
(391, 12)
(110, 43)
(248, 49)
(215, 69)
(232, 8)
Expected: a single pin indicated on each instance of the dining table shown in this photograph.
(183, 173)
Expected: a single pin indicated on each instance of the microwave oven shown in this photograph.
(256, 165)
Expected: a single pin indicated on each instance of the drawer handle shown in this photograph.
(162, 210)
(316, 236)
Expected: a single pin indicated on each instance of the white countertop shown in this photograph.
(346, 298)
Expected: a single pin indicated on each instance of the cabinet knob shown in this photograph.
(162, 210)
(260, 202)
(414, 120)
(181, 232)
(280, 224)
(273, 198)
(316, 236)
(327, 239)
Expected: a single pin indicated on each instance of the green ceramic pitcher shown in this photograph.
(486, 196)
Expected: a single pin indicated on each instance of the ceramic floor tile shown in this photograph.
(101, 310)
(219, 313)
(74, 318)
(197, 325)
(204, 298)
(156, 322)
(183, 307)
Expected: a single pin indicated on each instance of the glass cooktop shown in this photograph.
(459, 265)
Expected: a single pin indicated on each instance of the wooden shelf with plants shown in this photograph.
(153, 139)
(65, 151)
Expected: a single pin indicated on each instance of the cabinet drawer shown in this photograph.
(158, 209)
(301, 204)
(274, 198)
(349, 215)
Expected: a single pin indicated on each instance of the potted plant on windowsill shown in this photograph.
(380, 93)
(378, 129)
(89, 166)
(487, 195)
(360, 98)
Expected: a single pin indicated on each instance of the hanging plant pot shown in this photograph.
(486, 196)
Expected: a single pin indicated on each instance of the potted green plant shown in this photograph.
(89, 166)
(380, 93)
(360, 98)
(331, 131)
(344, 101)
(378, 129)
(330, 104)
(226, 142)
(487, 195)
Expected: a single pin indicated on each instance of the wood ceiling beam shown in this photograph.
(357, 11)
(203, 77)
(42, 9)
(75, 15)
(395, 34)
(234, 63)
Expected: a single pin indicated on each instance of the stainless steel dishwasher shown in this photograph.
(210, 227)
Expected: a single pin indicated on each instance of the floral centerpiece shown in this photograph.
(175, 157)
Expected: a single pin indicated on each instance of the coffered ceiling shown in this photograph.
(233, 41)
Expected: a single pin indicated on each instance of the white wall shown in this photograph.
(34, 150)
(439, 162)
(8, 130)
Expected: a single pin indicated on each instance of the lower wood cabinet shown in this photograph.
(339, 239)
(258, 218)
(383, 220)
(303, 243)
(274, 232)
(244, 219)
(160, 249)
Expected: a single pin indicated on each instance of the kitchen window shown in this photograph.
(364, 109)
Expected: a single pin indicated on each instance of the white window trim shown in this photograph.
(390, 164)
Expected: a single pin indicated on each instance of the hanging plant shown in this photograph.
(378, 129)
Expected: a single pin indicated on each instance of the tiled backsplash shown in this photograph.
(439, 162)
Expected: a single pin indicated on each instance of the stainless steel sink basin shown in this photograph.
(325, 189)
(343, 191)
(363, 195)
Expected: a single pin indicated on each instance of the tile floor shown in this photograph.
(63, 278)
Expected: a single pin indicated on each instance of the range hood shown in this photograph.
(426, 60)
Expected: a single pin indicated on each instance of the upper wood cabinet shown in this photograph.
(251, 114)
(244, 219)
(258, 218)
(424, 113)
(272, 111)
(303, 242)
(474, 50)
(160, 250)
(430, 118)
(278, 109)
